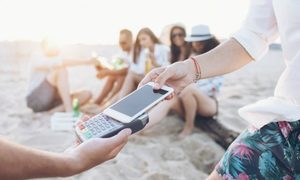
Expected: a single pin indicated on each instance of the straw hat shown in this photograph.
(199, 33)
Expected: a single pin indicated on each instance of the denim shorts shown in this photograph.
(272, 152)
(44, 97)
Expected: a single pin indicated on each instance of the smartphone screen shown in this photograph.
(138, 100)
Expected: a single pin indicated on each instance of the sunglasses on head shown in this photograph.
(177, 34)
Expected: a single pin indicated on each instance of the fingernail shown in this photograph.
(156, 85)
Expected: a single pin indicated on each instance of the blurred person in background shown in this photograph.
(200, 98)
(180, 50)
(116, 76)
(49, 83)
(148, 53)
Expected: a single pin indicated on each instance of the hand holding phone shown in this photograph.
(137, 103)
(102, 126)
(129, 112)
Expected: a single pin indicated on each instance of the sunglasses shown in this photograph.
(177, 34)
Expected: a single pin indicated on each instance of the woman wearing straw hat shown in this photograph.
(270, 150)
(200, 97)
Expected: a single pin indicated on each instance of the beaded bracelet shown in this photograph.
(198, 69)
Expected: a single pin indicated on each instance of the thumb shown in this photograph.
(162, 78)
(120, 138)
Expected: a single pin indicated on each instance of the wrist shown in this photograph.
(70, 165)
(190, 69)
(197, 69)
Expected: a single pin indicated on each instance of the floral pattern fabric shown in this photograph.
(272, 152)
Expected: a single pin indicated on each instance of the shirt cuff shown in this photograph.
(255, 45)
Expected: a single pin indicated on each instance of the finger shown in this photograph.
(153, 73)
(120, 138)
(171, 96)
(145, 80)
(153, 76)
(162, 78)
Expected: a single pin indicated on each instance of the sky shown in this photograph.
(99, 21)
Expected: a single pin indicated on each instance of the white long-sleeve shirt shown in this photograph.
(266, 20)
(161, 53)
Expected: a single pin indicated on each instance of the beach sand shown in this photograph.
(155, 155)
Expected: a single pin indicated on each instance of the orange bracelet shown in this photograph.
(198, 69)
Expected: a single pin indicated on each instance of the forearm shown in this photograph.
(62, 64)
(224, 59)
(19, 162)
(119, 72)
(76, 62)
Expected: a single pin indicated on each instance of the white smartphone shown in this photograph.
(137, 103)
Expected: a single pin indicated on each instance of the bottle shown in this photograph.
(76, 105)
(148, 63)
(118, 63)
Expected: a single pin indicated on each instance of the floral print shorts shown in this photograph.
(272, 152)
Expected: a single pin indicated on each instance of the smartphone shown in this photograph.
(102, 126)
(137, 103)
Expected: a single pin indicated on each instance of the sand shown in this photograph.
(155, 155)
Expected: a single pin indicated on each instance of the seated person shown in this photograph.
(180, 50)
(148, 53)
(115, 77)
(198, 98)
(49, 86)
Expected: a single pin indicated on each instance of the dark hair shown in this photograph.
(175, 50)
(126, 32)
(137, 46)
(210, 44)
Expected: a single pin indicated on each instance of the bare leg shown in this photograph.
(82, 96)
(119, 83)
(117, 87)
(190, 108)
(129, 85)
(177, 107)
(59, 79)
(108, 86)
(160, 111)
(194, 101)
(206, 106)
(214, 176)
(107, 103)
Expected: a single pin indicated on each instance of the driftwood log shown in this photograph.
(221, 135)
